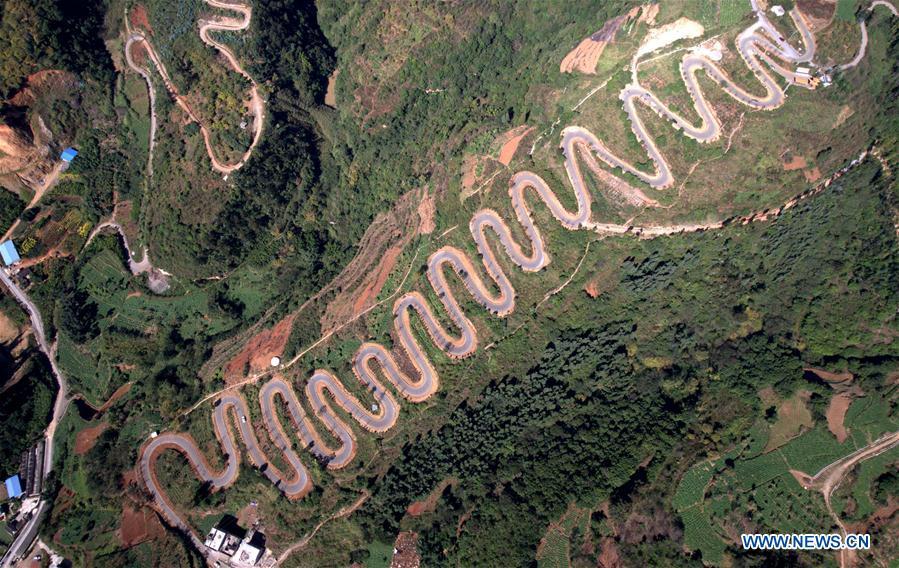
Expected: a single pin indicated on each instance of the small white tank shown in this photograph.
(276, 361)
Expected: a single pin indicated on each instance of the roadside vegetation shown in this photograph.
(621, 416)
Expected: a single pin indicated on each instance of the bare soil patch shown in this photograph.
(139, 525)
(406, 555)
(87, 438)
(367, 273)
(812, 175)
(844, 115)
(794, 163)
(417, 508)
(510, 146)
(609, 556)
(8, 329)
(140, 19)
(370, 293)
(818, 13)
(248, 516)
(793, 418)
(257, 353)
(426, 210)
(836, 412)
(330, 92)
(584, 57)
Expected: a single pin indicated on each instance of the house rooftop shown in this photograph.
(13, 487)
(9, 253)
(68, 154)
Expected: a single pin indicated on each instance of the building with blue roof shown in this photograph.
(13, 487)
(68, 154)
(9, 253)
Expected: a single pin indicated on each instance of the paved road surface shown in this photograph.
(489, 286)
(760, 42)
(28, 533)
(862, 49)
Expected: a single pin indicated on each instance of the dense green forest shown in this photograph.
(50, 34)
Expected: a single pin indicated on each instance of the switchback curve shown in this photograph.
(489, 286)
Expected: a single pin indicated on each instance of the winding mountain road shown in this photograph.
(489, 286)
(29, 532)
(257, 104)
(862, 49)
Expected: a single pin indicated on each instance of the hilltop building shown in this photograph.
(244, 549)
(225, 536)
(251, 549)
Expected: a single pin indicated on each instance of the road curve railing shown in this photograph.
(408, 368)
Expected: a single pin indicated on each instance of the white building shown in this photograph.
(251, 550)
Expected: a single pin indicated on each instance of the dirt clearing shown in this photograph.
(417, 508)
(794, 163)
(793, 418)
(584, 57)
(836, 412)
(8, 329)
(812, 175)
(507, 152)
(86, 439)
(138, 525)
(258, 352)
(370, 293)
(331, 92)
(426, 210)
(140, 20)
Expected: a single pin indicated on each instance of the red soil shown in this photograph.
(812, 175)
(87, 438)
(140, 20)
(836, 412)
(609, 557)
(258, 351)
(426, 208)
(416, 508)
(511, 145)
(138, 525)
(385, 267)
(795, 163)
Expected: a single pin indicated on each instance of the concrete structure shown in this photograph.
(68, 155)
(13, 487)
(251, 549)
(803, 76)
(9, 253)
(225, 536)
